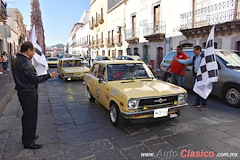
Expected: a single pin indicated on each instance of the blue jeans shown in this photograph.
(178, 79)
(5, 65)
(200, 100)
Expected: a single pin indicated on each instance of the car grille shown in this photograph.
(157, 101)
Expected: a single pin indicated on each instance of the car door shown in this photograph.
(59, 67)
(102, 91)
(93, 80)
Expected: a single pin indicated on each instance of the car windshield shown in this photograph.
(126, 72)
(73, 63)
(52, 59)
(229, 58)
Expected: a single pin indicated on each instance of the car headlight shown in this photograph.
(70, 74)
(133, 103)
(182, 98)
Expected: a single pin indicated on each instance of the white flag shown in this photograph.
(39, 59)
(208, 70)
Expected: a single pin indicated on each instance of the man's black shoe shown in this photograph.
(33, 146)
(36, 137)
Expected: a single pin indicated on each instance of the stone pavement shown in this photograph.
(70, 127)
(7, 89)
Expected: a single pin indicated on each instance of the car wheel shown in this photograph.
(168, 78)
(115, 116)
(89, 95)
(232, 95)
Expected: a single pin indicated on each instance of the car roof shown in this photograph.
(191, 49)
(117, 62)
(66, 59)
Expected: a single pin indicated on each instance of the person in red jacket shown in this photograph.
(178, 70)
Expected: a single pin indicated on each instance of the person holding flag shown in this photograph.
(205, 70)
(39, 60)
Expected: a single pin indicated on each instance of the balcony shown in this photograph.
(100, 43)
(118, 40)
(224, 15)
(155, 31)
(3, 11)
(91, 25)
(96, 23)
(100, 19)
(132, 35)
(109, 42)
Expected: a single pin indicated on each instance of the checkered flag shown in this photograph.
(208, 70)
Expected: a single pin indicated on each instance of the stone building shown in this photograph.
(36, 19)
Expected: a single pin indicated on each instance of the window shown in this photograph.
(238, 45)
(95, 69)
(102, 13)
(112, 36)
(101, 72)
(134, 25)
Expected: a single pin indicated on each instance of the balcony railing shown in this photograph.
(109, 42)
(118, 40)
(155, 28)
(3, 11)
(100, 43)
(100, 19)
(132, 34)
(214, 14)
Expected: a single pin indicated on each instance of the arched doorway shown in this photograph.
(145, 53)
(159, 57)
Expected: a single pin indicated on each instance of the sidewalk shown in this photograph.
(7, 89)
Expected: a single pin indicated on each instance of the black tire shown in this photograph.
(90, 97)
(168, 78)
(115, 116)
(232, 95)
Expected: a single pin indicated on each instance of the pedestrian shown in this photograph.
(195, 60)
(26, 81)
(5, 61)
(178, 70)
(1, 64)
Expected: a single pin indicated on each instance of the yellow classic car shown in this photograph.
(52, 61)
(71, 69)
(129, 90)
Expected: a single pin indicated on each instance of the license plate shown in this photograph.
(161, 112)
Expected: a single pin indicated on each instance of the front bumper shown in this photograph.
(141, 113)
(73, 77)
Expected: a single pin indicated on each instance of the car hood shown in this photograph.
(145, 88)
(76, 69)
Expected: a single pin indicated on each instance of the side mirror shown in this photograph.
(101, 81)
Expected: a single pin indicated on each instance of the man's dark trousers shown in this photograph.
(29, 103)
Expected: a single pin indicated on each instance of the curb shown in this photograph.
(6, 99)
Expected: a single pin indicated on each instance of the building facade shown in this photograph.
(36, 19)
(79, 39)
(18, 30)
(3, 18)
(116, 27)
(197, 22)
(99, 28)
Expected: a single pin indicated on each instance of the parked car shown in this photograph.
(129, 57)
(102, 58)
(52, 61)
(72, 68)
(228, 85)
(129, 91)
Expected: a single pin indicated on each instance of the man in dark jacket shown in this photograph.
(26, 81)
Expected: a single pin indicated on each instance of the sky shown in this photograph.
(58, 16)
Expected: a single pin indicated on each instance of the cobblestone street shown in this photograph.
(70, 127)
